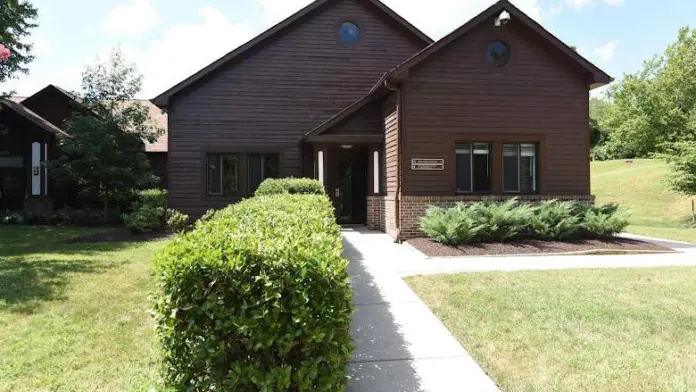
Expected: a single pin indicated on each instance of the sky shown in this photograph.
(169, 40)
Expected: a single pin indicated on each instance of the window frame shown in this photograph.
(489, 167)
(221, 156)
(263, 168)
(535, 171)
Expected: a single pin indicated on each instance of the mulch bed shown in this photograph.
(120, 234)
(435, 249)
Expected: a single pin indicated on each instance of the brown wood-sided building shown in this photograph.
(29, 132)
(350, 93)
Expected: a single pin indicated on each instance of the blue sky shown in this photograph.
(171, 39)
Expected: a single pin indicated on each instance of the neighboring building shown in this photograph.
(348, 92)
(40, 119)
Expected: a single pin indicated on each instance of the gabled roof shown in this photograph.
(162, 100)
(600, 78)
(52, 88)
(31, 116)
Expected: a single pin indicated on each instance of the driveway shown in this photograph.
(400, 346)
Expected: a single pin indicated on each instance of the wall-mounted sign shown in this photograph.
(427, 164)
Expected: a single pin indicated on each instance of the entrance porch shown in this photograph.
(351, 172)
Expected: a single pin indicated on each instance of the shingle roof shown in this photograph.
(159, 118)
(31, 116)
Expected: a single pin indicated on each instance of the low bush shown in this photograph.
(556, 220)
(450, 226)
(551, 220)
(149, 211)
(177, 221)
(66, 216)
(604, 222)
(275, 186)
(256, 298)
(499, 221)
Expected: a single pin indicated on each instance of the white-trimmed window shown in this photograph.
(520, 167)
(473, 167)
(222, 174)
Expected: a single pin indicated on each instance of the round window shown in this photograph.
(497, 54)
(349, 33)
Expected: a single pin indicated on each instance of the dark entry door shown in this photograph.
(350, 185)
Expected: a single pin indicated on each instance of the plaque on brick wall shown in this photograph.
(427, 164)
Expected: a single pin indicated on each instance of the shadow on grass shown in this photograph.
(24, 284)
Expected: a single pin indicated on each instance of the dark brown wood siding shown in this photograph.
(366, 121)
(282, 90)
(454, 96)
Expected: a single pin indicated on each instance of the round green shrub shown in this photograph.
(257, 298)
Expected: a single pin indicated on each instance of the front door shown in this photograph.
(349, 186)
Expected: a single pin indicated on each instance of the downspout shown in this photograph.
(397, 200)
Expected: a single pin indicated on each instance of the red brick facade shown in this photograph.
(381, 210)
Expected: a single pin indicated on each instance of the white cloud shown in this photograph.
(132, 19)
(436, 19)
(580, 4)
(185, 49)
(606, 52)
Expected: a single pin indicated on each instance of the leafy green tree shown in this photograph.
(105, 156)
(16, 21)
(655, 107)
(598, 107)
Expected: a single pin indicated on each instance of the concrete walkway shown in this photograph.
(401, 346)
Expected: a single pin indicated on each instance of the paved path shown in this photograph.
(401, 346)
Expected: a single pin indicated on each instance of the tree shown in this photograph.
(597, 109)
(104, 157)
(655, 107)
(16, 21)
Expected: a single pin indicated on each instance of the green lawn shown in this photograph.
(74, 316)
(583, 330)
(640, 188)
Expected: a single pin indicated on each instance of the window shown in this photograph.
(223, 175)
(473, 167)
(349, 33)
(497, 54)
(261, 167)
(520, 166)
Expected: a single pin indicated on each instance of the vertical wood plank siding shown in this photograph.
(266, 101)
(454, 96)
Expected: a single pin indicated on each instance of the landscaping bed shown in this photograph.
(120, 234)
(530, 246)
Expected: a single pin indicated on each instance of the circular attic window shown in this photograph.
(497, 53)
(349, 33)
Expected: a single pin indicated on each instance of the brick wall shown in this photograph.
(38, 205)
(375, 213)
(413, 207)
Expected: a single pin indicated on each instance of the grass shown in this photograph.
(582, 330)
(640, 188)
(74, 316)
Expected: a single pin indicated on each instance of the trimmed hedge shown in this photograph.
(551, 220)
(256, 298)
(276, 186)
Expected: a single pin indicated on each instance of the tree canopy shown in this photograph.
(653, 112)
(16, 22)
(105, 156)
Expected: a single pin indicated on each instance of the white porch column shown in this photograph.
(375, 172)
(320, 167)
(35, 168)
